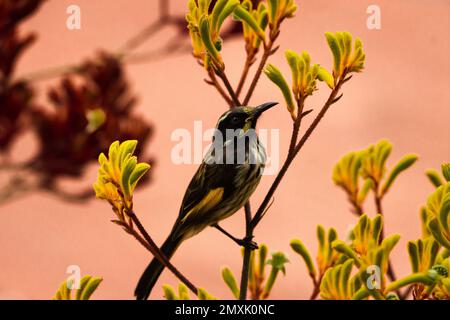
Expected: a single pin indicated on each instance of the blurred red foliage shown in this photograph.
(15, 96)
(90, 108)
(86, 118)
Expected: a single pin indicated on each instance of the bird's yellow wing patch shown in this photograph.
(209, 201)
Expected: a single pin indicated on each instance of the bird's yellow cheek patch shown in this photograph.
(248, 124)
(208, 202)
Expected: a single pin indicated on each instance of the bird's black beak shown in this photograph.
(263, 107)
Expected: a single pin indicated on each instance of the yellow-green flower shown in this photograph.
(118, 176)
(348, 57)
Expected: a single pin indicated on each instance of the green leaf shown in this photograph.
(204, 28)
(83, 282)
(138, 173)
(325, 76)
(169, 293)
(63, 292)
(263, 250)
(413, 256)
(347, 41)
(422, 277)
(204, 5)
(126, 148)
(273, 10)
(321, 239)
(217, 10)
(384, 149)
(342, 247)
(113, 156)
(361, 294)
(230, 281)
(404, 163)
(332, 235)
(242, 14)
(344, 277)
(446, 171)
(204, 295)
(364, 191)
(293, 60)
(90, 287)
(274, 74)
(335, 49)
(444, 212)
(127, 170)
(298, 247)
(434, 177)
(183, 293)
(435, 230)
(102, 159)
(377, 226)
(227, 11)
(278, 261)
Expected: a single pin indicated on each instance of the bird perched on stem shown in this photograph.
(227, 177)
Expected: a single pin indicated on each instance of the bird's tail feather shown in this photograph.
(154, 270)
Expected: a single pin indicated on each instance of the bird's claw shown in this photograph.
(247, 243)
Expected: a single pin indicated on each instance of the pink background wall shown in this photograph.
(403, 96)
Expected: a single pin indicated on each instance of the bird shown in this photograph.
(228, 175)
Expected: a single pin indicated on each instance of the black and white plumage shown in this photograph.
(227, 177)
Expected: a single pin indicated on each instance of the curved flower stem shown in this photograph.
(213, 82)
(267, 53)
(221, 74)
(151, 246)
(316, 289)
(333, 98)
(248, 63)
(379, 208)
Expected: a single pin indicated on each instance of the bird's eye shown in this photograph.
(235, 119)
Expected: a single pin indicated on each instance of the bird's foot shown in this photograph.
(247, 243)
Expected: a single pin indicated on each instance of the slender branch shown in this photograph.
(131, 44)
(221, 74)
(154, 249)
(316, 289)
(142, 36)
(248, 63)
(330, 101)
(213, 81)
(296, 125)
(247, 253)
(267, 53)
(357, 208)
(379, 208)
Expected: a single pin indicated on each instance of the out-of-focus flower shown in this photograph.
(15, 96)
(87, 117)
